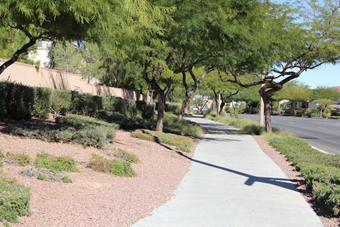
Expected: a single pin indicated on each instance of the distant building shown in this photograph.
(41, 53)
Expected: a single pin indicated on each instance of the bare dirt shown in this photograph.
(100, 199)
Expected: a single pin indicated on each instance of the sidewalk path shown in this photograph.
(232, 183)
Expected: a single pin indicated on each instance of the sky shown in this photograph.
(325, 75)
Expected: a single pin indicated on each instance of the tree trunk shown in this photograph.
(221, 106)
(161, 110)
(184, 105)
(268, 124)
(218, 101)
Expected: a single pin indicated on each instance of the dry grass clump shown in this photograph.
(99, 164)
(43, 174)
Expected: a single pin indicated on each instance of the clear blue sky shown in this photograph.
(327, 75)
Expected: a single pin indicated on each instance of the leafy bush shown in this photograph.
(124, 121)
(181, 142)
(58, 164)
(321, 171)
(148, 111)
(42, 102)
(14, 202)
(61, 101)
(16, 101)
(122, 168)
(81, 122)
(174, 108)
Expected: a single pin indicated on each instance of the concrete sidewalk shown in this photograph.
(232, 183)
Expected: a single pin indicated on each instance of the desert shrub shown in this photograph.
(236, 110)
(58, 164)
(2, 100)
(43, 174)
(126, 107)
(126, 156)
(60, 101)
(66, 179)
(148, 111)
(42, 102)
(22, 159)
(122, 168)
(181, 142)
(15, 201)
(99, 164)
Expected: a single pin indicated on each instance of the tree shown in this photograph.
(323, 104)
(222, 91)
(289, 48)
(54, 20)
(323, 92)
(294, 92)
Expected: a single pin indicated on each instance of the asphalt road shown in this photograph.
(322, 134)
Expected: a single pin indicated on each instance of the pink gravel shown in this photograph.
(99, 199)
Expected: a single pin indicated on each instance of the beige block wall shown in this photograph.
(42, 77)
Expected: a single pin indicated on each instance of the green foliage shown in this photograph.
(82, 122)
(66, 179)
(126, 156)
(181, 127)
(42, 102)
(235, 111)
(17, 101)
(174, 108)
(181, 142)
(61, 101)
(323, 92)
(44, 160)
(321, 171)
(124, 121)
(122, 168)
(22, 159)
(85, 104)
(14, 201)
(41, 176)
(148, 111)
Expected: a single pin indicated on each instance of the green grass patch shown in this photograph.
(181, 142)
(58, 164)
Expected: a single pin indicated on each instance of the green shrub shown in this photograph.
(3, 92)
(126, 156)
(126, 107)
(42, 102)
(44, 160)
(17, 101)
(14, 202)
(61, 101)
(66, 179)
(148, 111)
(21, 159)
(122, 168)
(81, 122)
(41, 176)
(174, 108)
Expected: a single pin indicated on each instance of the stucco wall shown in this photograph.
(42, 77)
